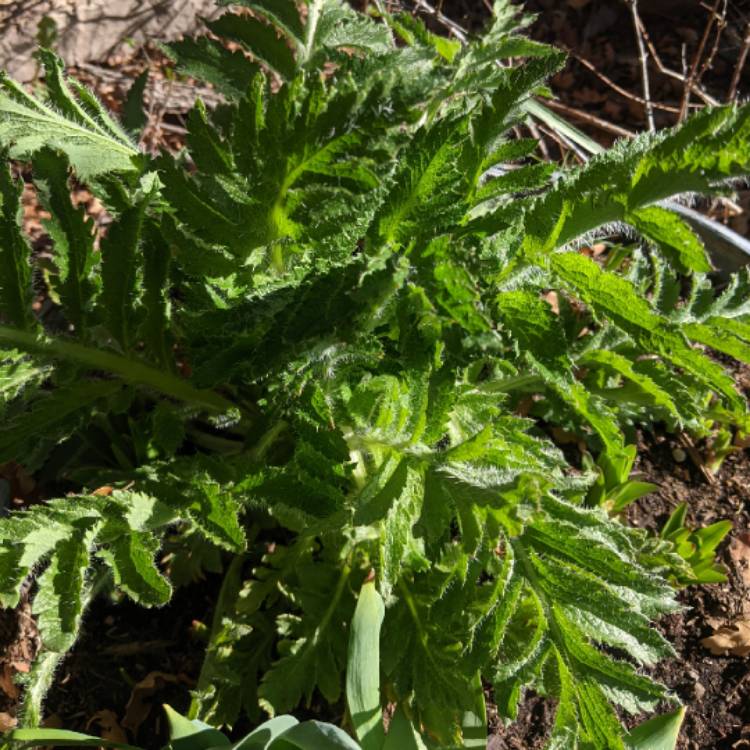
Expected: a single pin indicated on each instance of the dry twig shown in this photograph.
(643, 59)
(616, 87)
(721, 21)
(693, 75)
(734, 85)
(564, 144)
(586, 117)
(531, 125)
(664, 70)
(452, 26)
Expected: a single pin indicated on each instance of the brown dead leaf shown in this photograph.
(6, 682)
(594, 251)
(109, 725)
(730, 638)
(138, 647)
(22, 652)
(598, 249)
(23, 489)
(739, 551)
(7, 722)
(524, 406)
(564, 437)
(553, 300)
(563, 81)
(139, 706)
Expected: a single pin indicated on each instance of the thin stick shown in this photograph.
(643, 58)
(616, 87)
(734, 85)
(534, 130)
(721, 22)
(452, 26)
(664, 70)
(563, 142)
(590, 119)
(695, 457)
(691, 77)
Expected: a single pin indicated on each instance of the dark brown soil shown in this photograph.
(131, 660)
(716, 689)
(528, 732)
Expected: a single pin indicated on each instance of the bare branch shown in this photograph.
(619, 89)
(597, 122)
(643, 59)
(664, 70)
(693, 76)
(734, 85)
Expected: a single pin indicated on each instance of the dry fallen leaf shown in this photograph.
(730, 638)
(553, 300)
(7, 722)
(6, 682)
(139, 706)
(564, 437)
(110, 726)
(739, 551)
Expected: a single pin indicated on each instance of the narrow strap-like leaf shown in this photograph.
(363, 668)
(134, 116)
(15, 272)
(157, 258)
(45, 737)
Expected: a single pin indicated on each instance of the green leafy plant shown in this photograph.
(613, 487)
(279, 733)
(286, 733)
(697, 547)
(363, 700)
(319, 343)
